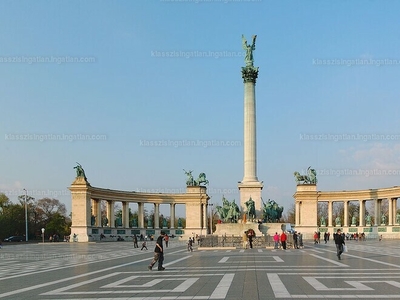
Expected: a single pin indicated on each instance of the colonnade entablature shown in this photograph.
(87, 221)
(307, 199)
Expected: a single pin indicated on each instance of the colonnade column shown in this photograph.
(330, 210)
(125, 214)
(362, 213)
(394, 210)
(110, 213)
(156, 215)
(346, 214)
(298, 207)
(390, 217)
(377, 211)
(97, 212)
(172, 214)
(141, 214)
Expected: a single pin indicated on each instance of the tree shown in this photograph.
(290, 216)
(12, 218)
(51, 215)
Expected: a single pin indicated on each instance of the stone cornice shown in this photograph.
(354, 195)
(116, 195)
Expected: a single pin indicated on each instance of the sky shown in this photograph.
(138, 91)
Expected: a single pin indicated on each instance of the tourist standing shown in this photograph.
(283, 240)
(135, 243)
(339, 241)
(244, 240)
(276, 240)
(295, 240)
(301, 240)
(250, 235)
(158, 253)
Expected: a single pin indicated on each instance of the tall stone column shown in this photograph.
(110, 213)
(141, 214)
(156, 215)
(250, 187)
(330, 212)
(298, 207)
(125, 214)
(362, 213)
(204, 225)
(97, 211)
(377, 212)
(172, 213)
(346, 214)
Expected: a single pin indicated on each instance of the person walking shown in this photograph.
(339, 241)
(135, 243)
(144, 245)
(283, 240)
(190, 245)
(158, 253)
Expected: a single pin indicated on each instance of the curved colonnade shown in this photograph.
(307, 198)
(86, 201)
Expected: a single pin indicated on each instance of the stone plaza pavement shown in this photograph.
(115, 270)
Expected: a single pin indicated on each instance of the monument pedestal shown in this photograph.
(253, 190)
(236, 229)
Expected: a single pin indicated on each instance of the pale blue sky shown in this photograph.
(132, 92)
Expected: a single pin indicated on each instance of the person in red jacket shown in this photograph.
(283, 240)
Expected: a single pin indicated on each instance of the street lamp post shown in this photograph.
(43, 234)
(26, 217)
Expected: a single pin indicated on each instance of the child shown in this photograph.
(144, 245)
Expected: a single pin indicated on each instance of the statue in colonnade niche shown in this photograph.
(368, 220)
(383, 219)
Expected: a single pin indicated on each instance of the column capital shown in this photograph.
(249, 74)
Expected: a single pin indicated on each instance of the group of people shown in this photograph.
(280, 240)
(248, 238)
